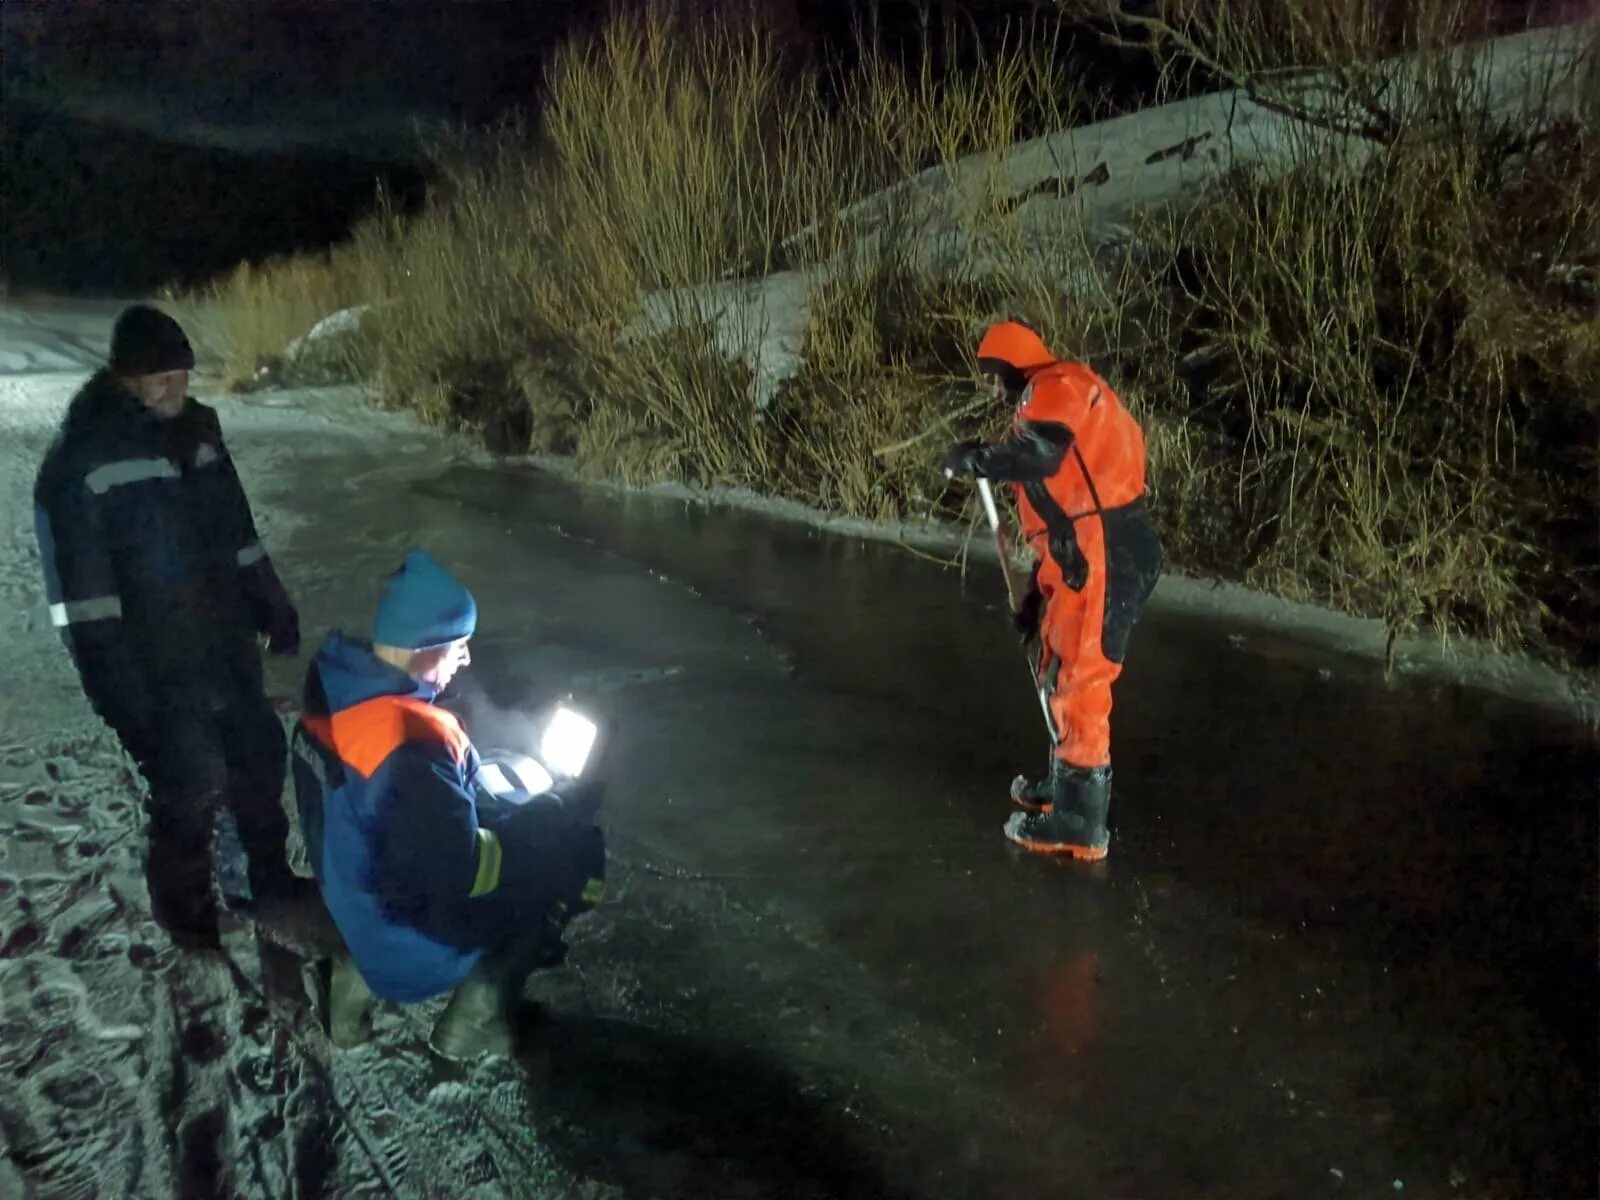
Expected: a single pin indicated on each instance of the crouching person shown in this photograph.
(434, 884)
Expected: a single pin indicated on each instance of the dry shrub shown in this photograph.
(617, 445)
(1395, 350)
(694, 402)
(832, 435)
(244, 321)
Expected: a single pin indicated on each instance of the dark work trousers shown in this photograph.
(195, 761)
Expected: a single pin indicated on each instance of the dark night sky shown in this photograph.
(271, 73)
(275, 117)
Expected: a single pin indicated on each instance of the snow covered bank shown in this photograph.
(40, 335)
(1075, 191)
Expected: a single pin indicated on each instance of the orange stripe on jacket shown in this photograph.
(364, 736)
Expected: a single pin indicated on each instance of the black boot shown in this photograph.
(1039, 795)
(264, 834)
(481, 1017)
(178, 875)
(288, 909)
(350, 1004)
(1076, 821)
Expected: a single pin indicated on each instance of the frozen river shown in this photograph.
(1344, 943)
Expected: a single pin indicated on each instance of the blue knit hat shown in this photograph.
(423, 606)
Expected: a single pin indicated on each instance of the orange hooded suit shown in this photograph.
(1076, 462)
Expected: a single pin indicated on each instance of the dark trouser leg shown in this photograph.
(257, 759)
(555, 870)
(187, 773)
(1037, 793)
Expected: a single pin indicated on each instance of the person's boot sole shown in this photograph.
(1082, 853)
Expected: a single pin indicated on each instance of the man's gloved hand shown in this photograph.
(1074, 564)
(1026, 618)
(578, 798)
(962, 458)
(284, 636)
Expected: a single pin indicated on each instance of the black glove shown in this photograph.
(579, 798)
(1026, 618)
(1070, 558)
(962, 458)
(283, 637)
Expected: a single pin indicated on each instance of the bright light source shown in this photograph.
(567, 742)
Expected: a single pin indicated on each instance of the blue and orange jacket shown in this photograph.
(386, 787)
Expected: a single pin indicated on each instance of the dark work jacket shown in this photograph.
(153, 571)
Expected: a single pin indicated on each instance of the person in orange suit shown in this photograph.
(1076, 461)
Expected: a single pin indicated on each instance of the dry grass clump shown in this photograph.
(244, 321)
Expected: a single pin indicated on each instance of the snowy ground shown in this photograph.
(1344, 944)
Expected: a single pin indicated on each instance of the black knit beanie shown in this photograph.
(145, 341)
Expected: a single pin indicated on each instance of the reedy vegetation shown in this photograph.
(1371, 380)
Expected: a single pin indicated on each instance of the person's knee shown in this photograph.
(185, 778)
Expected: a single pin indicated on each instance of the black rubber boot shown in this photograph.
(288, 908)
(1039, 795)
(480, 1018)
(350, 1004)
(178, 875)
(1076, 822)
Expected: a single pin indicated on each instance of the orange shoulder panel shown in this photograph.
(364, 736)
(1062, 393)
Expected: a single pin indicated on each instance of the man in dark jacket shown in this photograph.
(435, 883)
(160, 589)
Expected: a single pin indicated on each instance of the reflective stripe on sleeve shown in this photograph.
(130, 470)
(252, 554)
(76, 612)
(489, 855)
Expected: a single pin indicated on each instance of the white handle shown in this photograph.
(987, 493)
